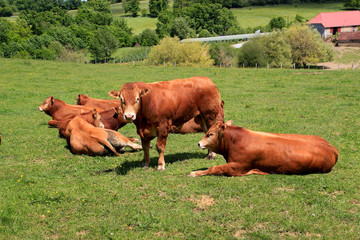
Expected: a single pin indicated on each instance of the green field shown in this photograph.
(49, 193)
(261, 15)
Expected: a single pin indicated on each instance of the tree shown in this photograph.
(180, 28)
(148, 37)
(163, 26)
(132, 6)
(352, 4)
(157, 6)
(277, 23)
(307, 45)
(103, 44)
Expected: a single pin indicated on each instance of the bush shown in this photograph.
(252, 53)
(223, 54)
(171, 51)
(277, 23)
(6, 12)
(148, 37)
(66, 37)
(204, 33)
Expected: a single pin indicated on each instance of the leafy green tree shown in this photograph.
(180, 28)
(132, 6)
(277, 23)
(307, 45)
(99, 5)
(223, 54)
(163, 26)
(122, 32)
(204, 33)
(212, 17)
(157, 6)
(277, 50)
(66, 37)
(252, 53)
(148, 37)
(6, 12)
(352, 4)
(5, 29)
(103, 44)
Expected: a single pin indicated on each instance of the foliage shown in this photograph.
(277, 23)
(211, 17)
(171, 51)
(66, 37)
(103, 44)
(163, 26)
(277, 49)
(122, 32)
(148, 37)
(5, 28)
(307, 45)
(223, 54)
(180, 28)
(252, 54)
(157, 6)
(204, 33)
(352, 4)
(132, 6)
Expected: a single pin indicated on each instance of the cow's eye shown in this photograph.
(210, 134)
(137, 100)
(122, 100)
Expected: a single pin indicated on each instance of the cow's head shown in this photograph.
(81, 99)
(212, 138)
(46, 105)
(130, 98)
(97, 119)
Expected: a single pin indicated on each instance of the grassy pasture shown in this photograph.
(261, 15)
(47, 192)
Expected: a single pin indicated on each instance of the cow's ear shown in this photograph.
(145, 91)
(222, 104)
(228, 123)
(222, 130)
(114, 94)
(87, 95)
(94, 113)
(116, 110)
(52, 100)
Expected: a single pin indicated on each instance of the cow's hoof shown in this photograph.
(161, 168)
(211, 156)
(192, 174)
(145, 165)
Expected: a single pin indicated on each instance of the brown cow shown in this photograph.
(85, 100)
(110, 119)
(155, 107)
(250, 152)
(59, 110)
(84, 138)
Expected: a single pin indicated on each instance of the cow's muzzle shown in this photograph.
(129, 117)
(40, 109)
(201, 145)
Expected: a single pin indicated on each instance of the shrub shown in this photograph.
(204, 33)
(277, 23)
(223, 54)
(171, 51)
(252, 53)
(148, 37)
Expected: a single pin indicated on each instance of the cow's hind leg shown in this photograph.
(229, 169)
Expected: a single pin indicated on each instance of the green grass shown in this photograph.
(261, 15)
(47, 192)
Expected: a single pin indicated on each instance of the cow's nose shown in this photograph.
(199, 144)
(129, 116)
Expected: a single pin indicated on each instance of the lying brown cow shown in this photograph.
(110, 119)
(250, 152)
(59, 110)
(85, 100)
(85, 138)
(156, 107)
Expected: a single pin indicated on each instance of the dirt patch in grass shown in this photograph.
(202, 202)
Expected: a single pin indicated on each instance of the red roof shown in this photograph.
(337, 19)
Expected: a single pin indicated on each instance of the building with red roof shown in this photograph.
(330, 23)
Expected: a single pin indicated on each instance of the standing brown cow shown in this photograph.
(155, 107)
(250, 152)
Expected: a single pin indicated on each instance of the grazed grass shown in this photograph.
(46, 192)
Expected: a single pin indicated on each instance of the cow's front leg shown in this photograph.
(146, 147)
(229, 169)
(160, 146)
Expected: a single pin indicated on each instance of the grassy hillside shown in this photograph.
(47, 192)
(261, 15)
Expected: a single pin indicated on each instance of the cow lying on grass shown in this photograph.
(250, 152)
(85, 100)
(85, 138)
(110, 119)
(59, 110)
